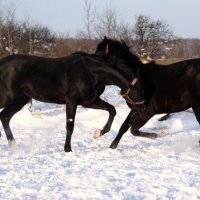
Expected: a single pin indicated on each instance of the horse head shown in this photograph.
(120, 50)
(112, 47)
(134, 95)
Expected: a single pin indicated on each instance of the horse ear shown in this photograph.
(105, 39)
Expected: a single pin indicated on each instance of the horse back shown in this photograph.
(44, 79)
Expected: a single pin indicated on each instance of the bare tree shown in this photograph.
(1, 29)
(149, 35)
(87, 34)
(89, 17)
(124, 32)
(107, 23)
(10, 17)
(185, 48)
(27, 29)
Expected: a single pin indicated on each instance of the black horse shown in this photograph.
(74, 80)
(168, 89)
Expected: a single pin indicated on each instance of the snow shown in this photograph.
(38, 168)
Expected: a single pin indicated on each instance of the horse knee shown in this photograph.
(4, 119)
(133, 130)
(112, 111)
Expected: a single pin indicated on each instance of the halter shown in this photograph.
(134, 81)
(126, 94)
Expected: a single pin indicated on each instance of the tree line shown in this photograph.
(148, 38)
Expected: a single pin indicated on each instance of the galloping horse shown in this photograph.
(168, 89)
(73, 80)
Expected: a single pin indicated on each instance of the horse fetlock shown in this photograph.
(134, 131)
(105, 130)
(97, 134)
(12, 143)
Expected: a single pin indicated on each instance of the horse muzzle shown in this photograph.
(138, 105)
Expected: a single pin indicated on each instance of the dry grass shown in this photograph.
(168, 60)
(165, 61)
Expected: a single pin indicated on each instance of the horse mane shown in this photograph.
(124, 52)
(132, 60)
(112, 61)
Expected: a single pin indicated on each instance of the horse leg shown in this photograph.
(134, 119)
(70, 116)
(165, 117)
(7, 113)
(196, 109)
(141, 120)
(124, 127)
(103, 105)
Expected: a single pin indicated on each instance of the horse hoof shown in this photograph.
(12, 143)
(113, 146)
(67, 149)
(97, 134)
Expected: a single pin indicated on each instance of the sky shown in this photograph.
(67, 16)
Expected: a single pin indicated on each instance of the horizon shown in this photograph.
(57, 16)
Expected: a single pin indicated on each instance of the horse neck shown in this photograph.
(131, 59)
(113, 75)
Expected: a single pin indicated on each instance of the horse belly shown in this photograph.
(172, 104)
(172, 108)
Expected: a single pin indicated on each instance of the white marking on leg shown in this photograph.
(97, 134)
(70, 120)
(12, 143)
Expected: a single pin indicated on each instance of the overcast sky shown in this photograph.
(68, 15)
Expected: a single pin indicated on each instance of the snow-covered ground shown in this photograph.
(38, 168)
